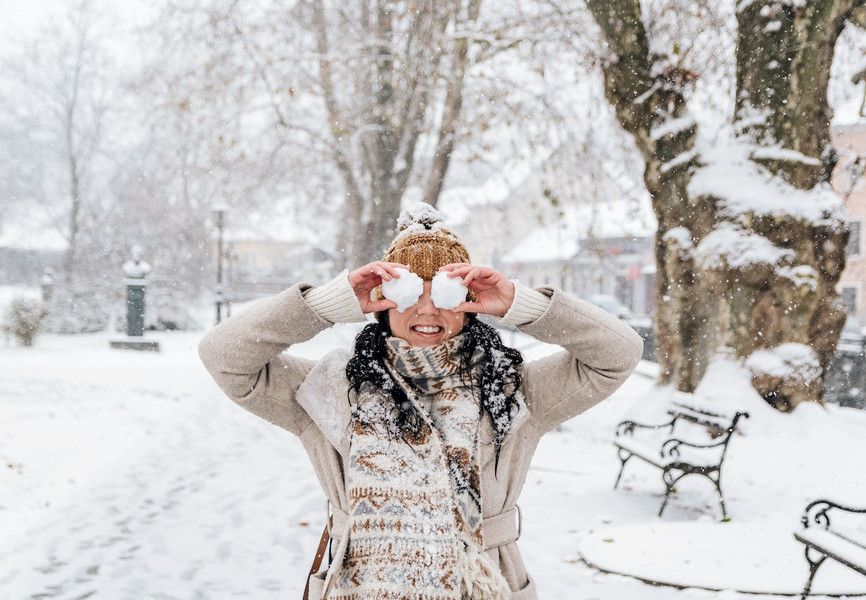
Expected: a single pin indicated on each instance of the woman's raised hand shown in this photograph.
(365, 279)
(494, 293)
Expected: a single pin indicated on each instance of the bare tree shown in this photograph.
(357, 105)
(61, 88)
(65, 83)
(403, 82)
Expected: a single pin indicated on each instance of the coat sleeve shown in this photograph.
(600, 352)
(244, 355)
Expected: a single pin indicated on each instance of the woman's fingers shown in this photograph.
(473, 307)
(372, 274)
(379, 305)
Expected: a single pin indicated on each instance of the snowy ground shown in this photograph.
(127, 475)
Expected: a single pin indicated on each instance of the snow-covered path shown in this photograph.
(131, 478)
(128, 475)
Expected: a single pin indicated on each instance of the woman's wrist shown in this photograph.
(527, 306)
(335, 301)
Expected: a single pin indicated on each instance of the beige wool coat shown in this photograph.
(245, 355)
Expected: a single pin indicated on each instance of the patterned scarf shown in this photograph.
(415, 527)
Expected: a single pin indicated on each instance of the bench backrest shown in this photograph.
(717, 420)
(849, 523)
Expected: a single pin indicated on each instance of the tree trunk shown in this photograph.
(650, 105)
(447, 135)
(375, 147)
(735, 276)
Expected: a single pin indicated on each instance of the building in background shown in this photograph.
(601, 251)
(266, 258)
(27, 250)
(588, 231)
(849, 181)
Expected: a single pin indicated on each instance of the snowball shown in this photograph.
(447, 292)
(405, 290)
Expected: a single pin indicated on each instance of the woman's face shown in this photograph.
(425, 325)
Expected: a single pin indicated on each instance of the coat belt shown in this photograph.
(499, 530)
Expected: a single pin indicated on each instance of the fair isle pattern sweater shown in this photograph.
(415, 528)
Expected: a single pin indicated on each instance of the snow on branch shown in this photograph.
(683, 158)
(647, 94)
(749, 117)
(800, 275)
(743, 186)
(680, 236)
(729, 246)
(672, 127)
(783, 154)
(681, 239)
(744, 4)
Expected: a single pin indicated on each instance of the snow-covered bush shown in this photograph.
(23, 319)
(80, 312)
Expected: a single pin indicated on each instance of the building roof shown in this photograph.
(599, 220)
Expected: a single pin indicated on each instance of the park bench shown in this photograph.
(693, 442)
(843, 541)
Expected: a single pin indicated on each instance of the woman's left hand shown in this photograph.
(494, 293)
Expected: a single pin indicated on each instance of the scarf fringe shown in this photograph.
(481, 577)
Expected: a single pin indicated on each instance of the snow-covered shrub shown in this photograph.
(79, 312)
(23, 319)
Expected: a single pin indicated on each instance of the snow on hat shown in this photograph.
(423, 243)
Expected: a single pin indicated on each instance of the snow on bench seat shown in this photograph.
(839, 545)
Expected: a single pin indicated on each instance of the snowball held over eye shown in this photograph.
(447, 292)
(405, 290)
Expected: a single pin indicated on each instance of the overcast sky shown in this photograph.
(19, 20)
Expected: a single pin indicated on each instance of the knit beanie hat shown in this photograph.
(423, 243)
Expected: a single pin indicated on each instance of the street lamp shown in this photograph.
(219, 215)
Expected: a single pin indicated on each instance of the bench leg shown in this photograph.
(813, 568)
(718, 485)
(665, 501)
(623, 457)
(670, 482)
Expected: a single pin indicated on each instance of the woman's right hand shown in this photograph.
(365, 279)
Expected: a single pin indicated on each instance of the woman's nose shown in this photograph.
(425, 302)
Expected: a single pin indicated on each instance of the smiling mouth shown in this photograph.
(428, 329)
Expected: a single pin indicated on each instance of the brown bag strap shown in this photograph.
(317, 561)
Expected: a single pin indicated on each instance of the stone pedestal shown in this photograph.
(136, 271)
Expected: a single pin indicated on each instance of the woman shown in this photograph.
(422, 436)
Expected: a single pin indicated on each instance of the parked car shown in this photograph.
(852, 332)
(845, 380)
(612, 305)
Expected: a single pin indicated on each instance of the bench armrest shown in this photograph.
(817, 512)
(629, 426)
(671, 446)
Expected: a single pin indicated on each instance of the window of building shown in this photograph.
(854, 249)
(849, 295)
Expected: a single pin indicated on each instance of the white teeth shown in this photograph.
(426, 329)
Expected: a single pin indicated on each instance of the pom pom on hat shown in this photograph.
(423, 243)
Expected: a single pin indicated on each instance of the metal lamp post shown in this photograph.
(219, 215)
